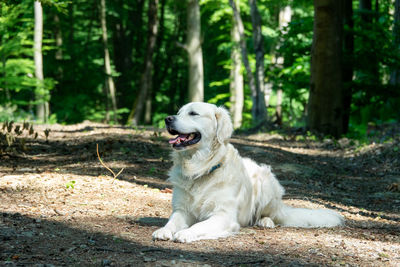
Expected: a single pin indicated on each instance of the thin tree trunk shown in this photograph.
(159, 41)
(109, 82)
(256, 114)
(59, 43)
(325, 107)
(122, 49)
(42, 106)
(395, 74)
(278, 110)
(236, 77)
(259, 51)
(195, 53)
(284, 18)
(147, 77)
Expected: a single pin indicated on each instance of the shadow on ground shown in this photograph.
(355, 182)
(71, 246)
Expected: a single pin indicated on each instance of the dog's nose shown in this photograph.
(169, 120)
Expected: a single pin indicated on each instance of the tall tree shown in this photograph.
(42, 105)
(258, 42)
(146, 82)
(59, 42)
(195, 53)
(159, 41)
(284, 18)
(258, 112)
(109, 82)
(236, 78)
(395, 74)
(325, 108)
(348, 70)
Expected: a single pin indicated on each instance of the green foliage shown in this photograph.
(18, 86)
(11, 112)
(158, 120)
(16, 68)
(375, 100)
(74, 65)
(100, 115)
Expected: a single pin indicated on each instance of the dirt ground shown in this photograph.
(60, 207)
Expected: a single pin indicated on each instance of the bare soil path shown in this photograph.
(60, 207)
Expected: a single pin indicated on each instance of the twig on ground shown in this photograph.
(105, 166)
(58, 212)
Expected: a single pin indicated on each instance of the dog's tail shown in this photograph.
(270, 199)
(299, 217)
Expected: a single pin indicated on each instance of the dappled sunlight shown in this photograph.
(77, 196)
(57, 197)
(114, 215)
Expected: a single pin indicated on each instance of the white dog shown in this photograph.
(216, 190)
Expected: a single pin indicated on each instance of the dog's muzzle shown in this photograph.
(183, 139)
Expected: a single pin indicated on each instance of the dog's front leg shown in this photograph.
(216, 226)
(178, 221)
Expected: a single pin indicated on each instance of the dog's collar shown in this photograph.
(214, 168)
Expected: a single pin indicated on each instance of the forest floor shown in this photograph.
(60, 207)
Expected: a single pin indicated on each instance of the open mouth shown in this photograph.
(184, 140)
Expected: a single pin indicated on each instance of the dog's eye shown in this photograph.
(192, 113)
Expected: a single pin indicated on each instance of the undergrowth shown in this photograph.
(13, 137)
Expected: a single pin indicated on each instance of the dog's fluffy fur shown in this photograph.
(216, 191)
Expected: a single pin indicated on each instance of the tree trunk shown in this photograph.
(146, 82)
(278, 110)
(59, 43)
(348, 46)
(284, 18)
(193, 46)
(109, 82)
(325, 105)
(256, 113)
(259, 51)
(157, 60)
(42, 106)
(395, 74)
(236, 77)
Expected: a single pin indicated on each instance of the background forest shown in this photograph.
(330, 66)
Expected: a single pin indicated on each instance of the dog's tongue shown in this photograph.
(178, 139)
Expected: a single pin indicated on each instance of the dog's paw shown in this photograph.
(163, 234)
(265, 222)
(185, 236)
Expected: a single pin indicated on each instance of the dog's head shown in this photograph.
(199, 125)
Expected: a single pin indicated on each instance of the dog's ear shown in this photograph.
(224, 124)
